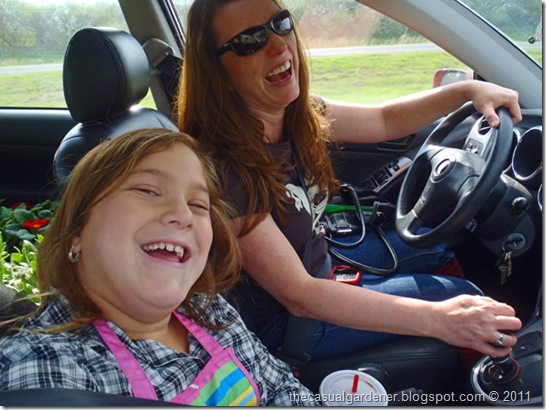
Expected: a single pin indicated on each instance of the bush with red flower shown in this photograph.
(21, 230)
(22, 221)
(35, 224)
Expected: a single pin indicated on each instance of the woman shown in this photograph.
(245, 93)
(132, 263)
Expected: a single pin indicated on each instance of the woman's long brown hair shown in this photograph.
(208, 109)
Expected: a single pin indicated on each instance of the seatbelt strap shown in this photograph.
(299, 330)
(166, 65)
(169, 69)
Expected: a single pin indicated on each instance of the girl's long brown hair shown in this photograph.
(97, 174)
(208, 109)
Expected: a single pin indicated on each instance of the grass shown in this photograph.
(40, 89)
(43, 89)
(369, 78)
(374, 78)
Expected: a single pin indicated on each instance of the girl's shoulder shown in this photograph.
(33, 339)
(33, 357)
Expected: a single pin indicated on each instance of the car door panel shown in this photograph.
(356, 163)
(28, 141)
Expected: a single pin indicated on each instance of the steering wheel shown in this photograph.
(446, 187)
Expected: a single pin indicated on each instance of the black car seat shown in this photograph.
(105, 75)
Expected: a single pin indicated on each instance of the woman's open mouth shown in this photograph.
(280, 74)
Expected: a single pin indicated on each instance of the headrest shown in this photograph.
(105, 73)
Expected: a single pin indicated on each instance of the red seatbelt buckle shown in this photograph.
(345, 274)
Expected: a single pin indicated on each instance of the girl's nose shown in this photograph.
(177, 213)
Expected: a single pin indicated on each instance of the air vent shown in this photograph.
(484, 127)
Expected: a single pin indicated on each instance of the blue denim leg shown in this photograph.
(373, 252)
(332, 340)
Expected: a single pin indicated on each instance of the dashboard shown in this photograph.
(526, 162)
(516, 212)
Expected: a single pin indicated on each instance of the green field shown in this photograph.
(374, 78)
(369, 78)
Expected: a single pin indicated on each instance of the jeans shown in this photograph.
(373, 252)
(414, 278)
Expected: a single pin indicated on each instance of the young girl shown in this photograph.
(130, 268)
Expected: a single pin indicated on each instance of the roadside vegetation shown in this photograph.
(21, 231)
(367, 78)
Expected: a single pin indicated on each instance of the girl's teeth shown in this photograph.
(166, 246)
(179, 251)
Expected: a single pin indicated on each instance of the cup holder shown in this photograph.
(527, 158)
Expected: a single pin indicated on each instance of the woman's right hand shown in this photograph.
(476, 322)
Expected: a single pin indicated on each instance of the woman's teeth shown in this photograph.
(285, 67)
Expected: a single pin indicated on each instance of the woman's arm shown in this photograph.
(466, 321)
(404, 116)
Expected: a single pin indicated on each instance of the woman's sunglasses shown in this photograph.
(252, 39)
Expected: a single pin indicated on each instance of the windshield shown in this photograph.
(519, 20)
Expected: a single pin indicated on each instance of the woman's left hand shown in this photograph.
(487, 97)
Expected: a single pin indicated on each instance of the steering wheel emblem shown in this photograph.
(442, 169)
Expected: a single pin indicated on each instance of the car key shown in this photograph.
(505, 261)
(505, 267)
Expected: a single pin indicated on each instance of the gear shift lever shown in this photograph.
(502, 370)
(519, 372)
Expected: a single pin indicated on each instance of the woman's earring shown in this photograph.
(74, 256)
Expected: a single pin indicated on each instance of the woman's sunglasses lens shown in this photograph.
(283, 24)
(255, 38)
(250, 42)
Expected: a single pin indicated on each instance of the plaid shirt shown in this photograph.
(82, 361)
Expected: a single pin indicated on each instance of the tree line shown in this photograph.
(45, 27)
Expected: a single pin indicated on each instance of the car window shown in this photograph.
(360, 55)
(365, 63)
(33, 40)
(520, 20)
